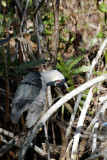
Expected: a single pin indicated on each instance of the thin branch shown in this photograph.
(94, 133)
(103, 99)
(99, 86)
(38, 27)
(2, 139)
(49, 95)
(6, 133)
(95, 119)
(24, 14)
(68, 131)
(103, 153)
(7, 147)
(19, 7)
(3, 92)
(38, 7)
(55, 36)
(7, 88)
(68, 149)
(95, 61)
(47, 141)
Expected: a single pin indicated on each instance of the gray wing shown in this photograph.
(26, 93)
(36, 107)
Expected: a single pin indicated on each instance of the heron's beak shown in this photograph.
(65, 84)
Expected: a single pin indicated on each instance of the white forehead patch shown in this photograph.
(52, 75)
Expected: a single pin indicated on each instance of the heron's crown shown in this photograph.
(52, 76)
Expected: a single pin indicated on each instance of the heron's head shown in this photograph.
(53, 77)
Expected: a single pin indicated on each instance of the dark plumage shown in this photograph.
(31, 95)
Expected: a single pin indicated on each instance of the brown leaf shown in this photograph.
(26, 40)
(12, 42)
(11, 154)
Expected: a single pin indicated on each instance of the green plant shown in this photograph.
(103, 7)
(67, 68)
(66, 36)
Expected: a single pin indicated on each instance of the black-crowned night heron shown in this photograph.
(31, 95)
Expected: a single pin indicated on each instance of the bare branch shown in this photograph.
(55, 36)
(80, 124)
(23, 18)
(6, 133)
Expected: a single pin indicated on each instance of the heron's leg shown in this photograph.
(22, 121)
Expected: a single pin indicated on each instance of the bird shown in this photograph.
(30, 96)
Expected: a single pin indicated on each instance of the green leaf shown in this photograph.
(75, 62)
(66, 30)
(72, 39)
(97, 73)
(1, 17)
(59, 67)
(100, 34)
(90, 112)
(70, 81)
(62, 38)
(86, 91)
(103, 7)
(62, 19)
(87, 26)
(79, 70)
(95, 90)
(81, 49)
(69, 60)
(106, 56)
(70, 88)
(82, 102)
(84, 96)
(48, 32)
(30, 2)
(1, 29)
(62, 63)
(23, 66)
